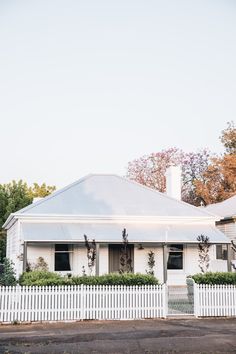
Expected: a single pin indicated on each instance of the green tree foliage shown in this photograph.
(8, 276)
(13, 197)
(125, 259)
(151, 262)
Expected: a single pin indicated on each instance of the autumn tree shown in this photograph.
(228, 138)
(150, 170)
(219, 179)
(40, 191)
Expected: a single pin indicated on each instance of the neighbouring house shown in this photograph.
(101, 206)
(226, 222)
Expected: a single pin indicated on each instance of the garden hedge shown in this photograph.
(44, 278)
(213, 278)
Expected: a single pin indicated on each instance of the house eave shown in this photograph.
(108, 219)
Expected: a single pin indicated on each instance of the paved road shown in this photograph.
(147, 336)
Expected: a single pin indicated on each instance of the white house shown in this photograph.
(226, 222)
(101, 206)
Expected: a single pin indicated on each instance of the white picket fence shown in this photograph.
(214, 300)
(66, 303)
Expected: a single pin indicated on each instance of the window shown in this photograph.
(175, 257)
(63, 255)
(221, 252)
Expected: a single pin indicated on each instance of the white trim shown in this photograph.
(120, 241)
(114, 219)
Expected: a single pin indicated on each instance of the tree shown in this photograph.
(91, 253)
(203, 251)
(228, 138)
(13, 197)
(125, 259)
(150, 170)
(219, 179)
(40, 191)
(8, 276)
(194, 166)
(151, 263)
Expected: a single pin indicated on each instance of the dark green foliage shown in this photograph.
(8, 277)
(13, 197)
(225, 278)
(128, 279)
(125, 260)
(41, 278)
(151, 262)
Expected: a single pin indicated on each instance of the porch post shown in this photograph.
(229, 257)
(97, 258)
(24, 256)
(164, 262)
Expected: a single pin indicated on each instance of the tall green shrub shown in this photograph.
(8, 276)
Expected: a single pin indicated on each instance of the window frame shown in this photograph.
(177, 251)
(223, 252)
(69, 252)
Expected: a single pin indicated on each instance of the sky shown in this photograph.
(87, 86)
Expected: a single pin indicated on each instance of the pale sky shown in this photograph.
(87, 86)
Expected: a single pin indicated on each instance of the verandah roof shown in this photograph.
(66, 232)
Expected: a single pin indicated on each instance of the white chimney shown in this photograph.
(173, 182)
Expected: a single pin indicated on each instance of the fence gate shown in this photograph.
(181, 300)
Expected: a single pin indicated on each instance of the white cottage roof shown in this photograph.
(225, 209)
(111, 195)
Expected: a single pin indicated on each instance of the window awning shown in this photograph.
(108, 233)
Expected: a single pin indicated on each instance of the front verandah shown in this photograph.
(173, 262)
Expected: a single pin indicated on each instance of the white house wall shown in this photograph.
(78, 258)
(14, 249)
(141, 260)
(41, 250)
(229, 229)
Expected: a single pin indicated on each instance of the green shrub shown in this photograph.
(213, 278)
(8, 276)
(42, 278)
(128, 279)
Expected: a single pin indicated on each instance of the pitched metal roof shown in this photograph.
(111, 195)
(225, 209)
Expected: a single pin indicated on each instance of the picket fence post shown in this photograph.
(196, 299)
